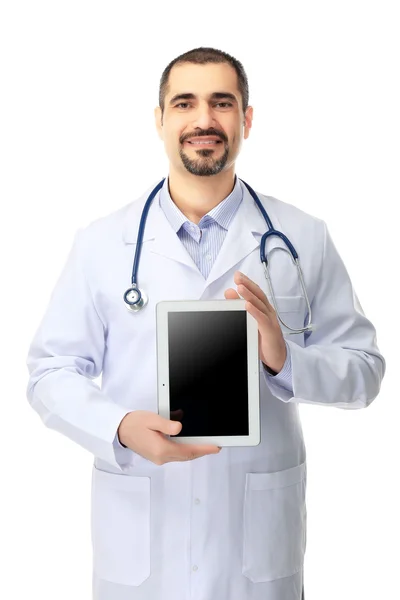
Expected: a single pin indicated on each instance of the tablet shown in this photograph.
(208, 371)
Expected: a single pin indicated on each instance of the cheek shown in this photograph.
(172, 143)
(234, 142)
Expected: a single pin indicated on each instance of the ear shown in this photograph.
(158, 120)
(248, 121)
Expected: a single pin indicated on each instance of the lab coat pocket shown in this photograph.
(274, 524)
(293, 312)
(121, 527)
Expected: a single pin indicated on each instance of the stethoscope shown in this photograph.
(135, 299)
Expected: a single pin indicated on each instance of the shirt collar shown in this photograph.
(222, 213)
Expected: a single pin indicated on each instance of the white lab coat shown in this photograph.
(227, 526)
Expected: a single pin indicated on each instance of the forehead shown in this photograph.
(202, 80)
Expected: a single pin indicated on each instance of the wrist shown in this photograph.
(120, 433)
(270, 371)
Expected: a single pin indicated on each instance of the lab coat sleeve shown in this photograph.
(284, 377)
(64, 357)
(340, 364)
(117, 443)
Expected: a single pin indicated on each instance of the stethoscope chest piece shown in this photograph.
(135, 299)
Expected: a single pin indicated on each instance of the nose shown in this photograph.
(204, 117)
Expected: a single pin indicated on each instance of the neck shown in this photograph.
(195, 196)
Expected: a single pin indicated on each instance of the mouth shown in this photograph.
(206, 142)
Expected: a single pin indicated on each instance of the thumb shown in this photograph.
(159, 423)
(174, 427)
(231, 294)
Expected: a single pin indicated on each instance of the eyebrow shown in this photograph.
(214, 96)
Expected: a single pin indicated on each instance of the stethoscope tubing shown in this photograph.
(271, 232)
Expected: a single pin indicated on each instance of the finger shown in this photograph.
(187, 452)
(262, 319)
(253, 299)
(242, 279)
(200, 450)
(230, 294)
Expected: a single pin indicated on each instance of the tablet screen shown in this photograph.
(208, 372)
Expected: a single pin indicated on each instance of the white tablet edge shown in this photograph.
(162, 310)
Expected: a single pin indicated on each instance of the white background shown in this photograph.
(79, 84)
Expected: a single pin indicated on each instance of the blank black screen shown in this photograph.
(208, 372)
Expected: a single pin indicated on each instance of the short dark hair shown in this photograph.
(202, 56)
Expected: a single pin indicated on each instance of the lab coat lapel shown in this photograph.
(242, 238)
(157, 231)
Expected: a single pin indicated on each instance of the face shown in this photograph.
(203, 124)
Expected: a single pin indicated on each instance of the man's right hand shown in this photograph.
(143, 432)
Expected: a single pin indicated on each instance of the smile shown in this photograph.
(209, 143)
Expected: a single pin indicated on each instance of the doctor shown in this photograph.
(176, 522)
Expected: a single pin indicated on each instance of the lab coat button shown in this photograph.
(195, 567)
(197, 501)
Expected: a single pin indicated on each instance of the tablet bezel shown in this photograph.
(162, 310)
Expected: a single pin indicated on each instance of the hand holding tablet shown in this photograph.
(143, 432)
(272, 346)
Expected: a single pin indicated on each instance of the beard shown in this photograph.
(205, 164)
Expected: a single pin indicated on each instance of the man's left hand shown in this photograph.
(271, 343)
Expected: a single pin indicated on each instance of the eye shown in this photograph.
(223, 104)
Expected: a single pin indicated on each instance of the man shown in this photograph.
(232, 524)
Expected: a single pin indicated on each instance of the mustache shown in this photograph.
(220, 134)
